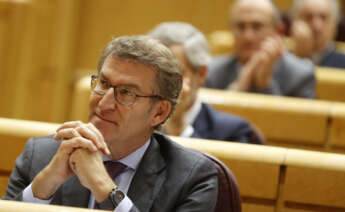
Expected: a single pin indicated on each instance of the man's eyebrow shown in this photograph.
(131, 85)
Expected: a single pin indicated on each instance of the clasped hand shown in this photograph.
(79, 154)
(257, 72)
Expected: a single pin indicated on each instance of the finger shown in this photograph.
(100, 137)
(67, 133)
(69, 124)
(271, 49)
(95, 130)
(68, 146)
(90, 133)
(274, 46)
(87, 133)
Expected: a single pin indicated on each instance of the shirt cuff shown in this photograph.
(28, 196)
(125, 205)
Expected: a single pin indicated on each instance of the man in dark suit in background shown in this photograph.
(135, 91)
(192, 118)
(313, 31)
(260, 63)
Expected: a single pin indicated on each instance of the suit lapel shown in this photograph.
(203, 123)
(74, 194)
(148, 179)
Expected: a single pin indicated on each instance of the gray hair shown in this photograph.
(276, 12)
(297, 4)
(193, 41)
(148, 51)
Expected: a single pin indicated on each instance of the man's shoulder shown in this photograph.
(42, 147)
(334, 59)
(292, 65)
(222, 126)
(43, 142)
(222, 61)
(292, 60)
(176, 153)
(222, 71)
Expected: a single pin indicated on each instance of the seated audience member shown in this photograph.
(116, 161)
(260, 63)
(313, 31)
(192, 118)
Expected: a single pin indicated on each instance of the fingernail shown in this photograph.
(94, 148)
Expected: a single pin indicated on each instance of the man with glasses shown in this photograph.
(116, 161)
(260, 63)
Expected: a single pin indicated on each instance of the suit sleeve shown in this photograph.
(201, 189)
(19, 178)
(307, 87)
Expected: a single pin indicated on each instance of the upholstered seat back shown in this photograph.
(229, 199)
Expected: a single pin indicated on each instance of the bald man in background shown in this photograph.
(260, 62)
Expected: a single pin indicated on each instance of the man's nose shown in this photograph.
(107, 101)
(248, 33)
(317, 24)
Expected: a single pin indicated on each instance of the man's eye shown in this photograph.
(103, 83)
(125, 91)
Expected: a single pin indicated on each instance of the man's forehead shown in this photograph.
(309, 5)
(260, 7)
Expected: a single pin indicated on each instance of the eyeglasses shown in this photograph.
(123, 94)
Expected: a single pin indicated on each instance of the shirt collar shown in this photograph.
(193, 112)
(132, 160)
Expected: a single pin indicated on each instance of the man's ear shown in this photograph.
(161, 112)
(202, 75)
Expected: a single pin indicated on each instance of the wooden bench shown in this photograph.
(336, 138)
(15, 206)
(270, 178)
(313, 181)
(330, 84)
(13, 17)
(36, 57)
(281, 179)
(283, 120)
(13, 136)
(256, 169)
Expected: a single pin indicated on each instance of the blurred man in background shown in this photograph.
(313, 30)
(192, 118)
(260, 62)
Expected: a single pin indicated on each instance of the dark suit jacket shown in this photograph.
(212, 124)
(169, 177)
(333, 59)
(291, 76)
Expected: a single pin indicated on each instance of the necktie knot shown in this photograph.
(114, 168)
